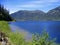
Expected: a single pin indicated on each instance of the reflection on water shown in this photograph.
(52, 27)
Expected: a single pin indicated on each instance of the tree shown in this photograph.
(4, 14)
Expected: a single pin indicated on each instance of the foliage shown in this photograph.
(42, 39)
(16, 38)
(4, 14)
(37, 39)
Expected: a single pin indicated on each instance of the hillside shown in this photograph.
(14, 37)
(23, 15)
(28, 15)
(54, 14)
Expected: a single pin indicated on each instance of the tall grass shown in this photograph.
(16, 38)
(37, 39)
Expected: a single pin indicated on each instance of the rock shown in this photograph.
(4, 40)
(3, 43)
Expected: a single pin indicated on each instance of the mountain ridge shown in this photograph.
(52, 14)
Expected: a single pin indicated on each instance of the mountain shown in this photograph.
(54, 14)
(23, 15)
(28, 15)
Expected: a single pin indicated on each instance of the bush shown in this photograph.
(42, 39)
(37, 39)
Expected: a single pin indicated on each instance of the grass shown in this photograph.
(4, 27)
(18, 38)
(15, 37)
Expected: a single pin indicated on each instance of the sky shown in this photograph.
(16, 5)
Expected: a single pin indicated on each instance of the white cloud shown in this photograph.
(29, 6)
(54, 1)
(44, 1)
(38, 3)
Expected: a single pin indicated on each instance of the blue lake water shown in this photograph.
(52, 27)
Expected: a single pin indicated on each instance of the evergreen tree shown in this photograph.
(4, 14)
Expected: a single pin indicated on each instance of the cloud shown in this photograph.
(42, 1)
(29, 6)
(54, 1)
(38, 3)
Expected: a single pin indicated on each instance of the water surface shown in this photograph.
(52, 27)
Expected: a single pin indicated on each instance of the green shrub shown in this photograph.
(42, 39)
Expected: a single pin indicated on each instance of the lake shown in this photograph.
(52, 27)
